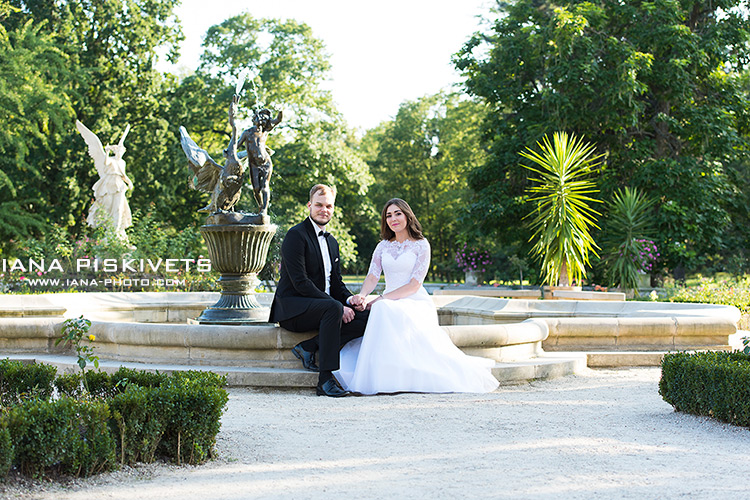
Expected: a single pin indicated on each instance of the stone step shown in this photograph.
(544, 367)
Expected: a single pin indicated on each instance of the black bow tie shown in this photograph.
(324, 234)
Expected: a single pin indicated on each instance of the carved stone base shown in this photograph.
(238, 251)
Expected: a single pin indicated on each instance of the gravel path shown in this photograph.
(602, 434)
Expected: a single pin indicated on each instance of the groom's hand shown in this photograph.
(348, 314)
(357, 302)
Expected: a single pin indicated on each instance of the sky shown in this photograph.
(382, 52)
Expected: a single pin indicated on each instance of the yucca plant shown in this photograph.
(629, 224)
(562, 217)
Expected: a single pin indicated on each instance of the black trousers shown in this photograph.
(325, 316)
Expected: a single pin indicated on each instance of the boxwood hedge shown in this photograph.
(714, 384)
(128, 417)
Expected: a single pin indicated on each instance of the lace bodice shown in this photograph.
(400, 262)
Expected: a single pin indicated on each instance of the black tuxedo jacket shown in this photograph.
(303, 274)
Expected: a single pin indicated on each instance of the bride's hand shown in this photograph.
(369, 304)
(357, 302)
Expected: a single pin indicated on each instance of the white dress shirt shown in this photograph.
(323, 242)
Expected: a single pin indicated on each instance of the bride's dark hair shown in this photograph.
(412, 224)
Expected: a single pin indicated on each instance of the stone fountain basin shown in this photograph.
(151, 328)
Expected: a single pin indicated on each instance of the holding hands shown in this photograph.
(360, 303)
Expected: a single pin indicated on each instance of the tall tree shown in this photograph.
(286, 66)
(424, 156)
(111, 47)
(32, 113)
(655, 85)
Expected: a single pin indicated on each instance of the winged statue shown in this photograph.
(223, 182)
(110, 203)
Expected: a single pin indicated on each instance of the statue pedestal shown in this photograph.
(238, 251)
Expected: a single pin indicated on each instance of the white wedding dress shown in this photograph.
(404, 349)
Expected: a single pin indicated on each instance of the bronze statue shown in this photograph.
(259, 155)
(224, 183)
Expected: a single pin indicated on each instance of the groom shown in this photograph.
(312, 296)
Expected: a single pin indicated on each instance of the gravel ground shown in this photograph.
(601, 434)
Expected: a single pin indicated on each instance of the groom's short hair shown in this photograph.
(322, 188)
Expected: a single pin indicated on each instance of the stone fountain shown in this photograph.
(238, 242)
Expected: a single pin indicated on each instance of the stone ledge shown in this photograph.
(267, 345)
(584, 295)
(491, 292)
(506, 373)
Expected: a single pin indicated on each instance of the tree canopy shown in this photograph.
(656, 86)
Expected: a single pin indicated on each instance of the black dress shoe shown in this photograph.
(307, 357)
(331, 389)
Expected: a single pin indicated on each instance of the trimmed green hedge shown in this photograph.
(129, 417)
(19, 381)
(714, 384)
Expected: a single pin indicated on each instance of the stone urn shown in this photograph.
(238, 250)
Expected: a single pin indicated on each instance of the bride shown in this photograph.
(404, 349)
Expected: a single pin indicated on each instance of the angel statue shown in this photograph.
(110, 204)
(224, 183)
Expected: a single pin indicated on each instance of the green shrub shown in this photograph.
(138, 424)
(730, 292)
(69, 384)
(19, 381)
(94, 450)
(67, 435)
(192, 404)
(135, 417)
(125, 376)
(6, 452)
(715, 384)
(100, 385)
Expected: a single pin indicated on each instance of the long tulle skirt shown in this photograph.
(404, 349)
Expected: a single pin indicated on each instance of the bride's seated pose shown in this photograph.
(404, 349)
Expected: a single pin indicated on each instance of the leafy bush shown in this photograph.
(731, 292)
(6, 452)
(137, 416)
(715, 384)
(193, 404)
(125, 376)
(137, 423)
(19, 381)
(68, 435)
(70, 384)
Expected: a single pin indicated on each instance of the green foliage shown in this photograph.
(424, 156)
(65, 434)
(126, 376)
(73, 332)
(192, 405)
(137, 423)
(31, 111)
(91, 60)
(715, 384)
(6, 451)
(71, 384)
(562, 217)
(20, 382)
(137, 417)
(629, 221)
(665, 98)
(731, 292)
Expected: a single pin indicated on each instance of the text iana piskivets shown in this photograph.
(110, 265)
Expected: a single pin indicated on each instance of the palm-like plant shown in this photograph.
(628, 225)
(562, 218)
